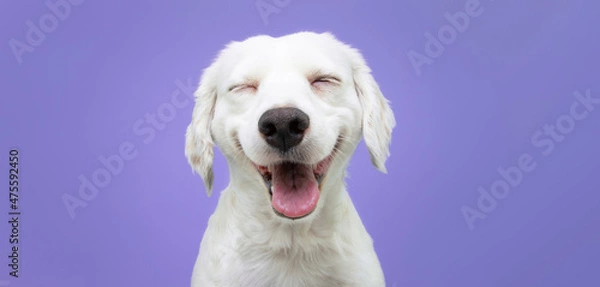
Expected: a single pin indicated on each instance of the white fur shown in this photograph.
(246, 243)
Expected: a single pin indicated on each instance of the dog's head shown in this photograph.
(288, 112)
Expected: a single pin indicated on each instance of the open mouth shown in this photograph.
(294, 188)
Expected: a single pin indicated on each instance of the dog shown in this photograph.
(287, 113)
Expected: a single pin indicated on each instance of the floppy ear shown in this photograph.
(199, 143)
(377, 119)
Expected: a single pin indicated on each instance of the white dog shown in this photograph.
(287, 113)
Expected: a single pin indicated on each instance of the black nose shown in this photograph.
(283, 128)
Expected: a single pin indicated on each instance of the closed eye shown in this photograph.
(322, 80)
(325, 79)
(242, 87)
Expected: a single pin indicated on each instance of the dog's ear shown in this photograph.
(199, 146)
(378, 118)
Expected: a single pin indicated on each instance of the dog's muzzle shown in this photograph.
(294, 186)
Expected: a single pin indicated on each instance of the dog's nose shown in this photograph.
(283, 128)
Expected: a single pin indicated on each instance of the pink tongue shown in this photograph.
(295, 189)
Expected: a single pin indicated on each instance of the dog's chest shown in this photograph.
(289, 268)
(250, 252)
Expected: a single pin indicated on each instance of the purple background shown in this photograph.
(78, 94)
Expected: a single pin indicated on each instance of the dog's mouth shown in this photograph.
(295, 188)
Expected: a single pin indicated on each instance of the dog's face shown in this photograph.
(288, 111)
